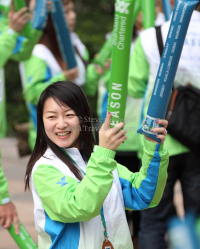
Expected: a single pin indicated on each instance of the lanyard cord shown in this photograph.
(101, 211)
(104, 222)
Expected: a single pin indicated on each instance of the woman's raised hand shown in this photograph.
(161, 130)
(111, 138)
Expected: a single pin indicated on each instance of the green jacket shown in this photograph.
(12, 46)
(15, 47)
(67, 210)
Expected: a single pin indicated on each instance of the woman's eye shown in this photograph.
(70, 115)
(51, 117)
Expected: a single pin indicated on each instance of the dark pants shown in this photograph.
(132, 163)
(186, 168)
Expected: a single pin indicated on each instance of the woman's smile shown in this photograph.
(63, 135)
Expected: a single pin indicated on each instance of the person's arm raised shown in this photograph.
(145, 188)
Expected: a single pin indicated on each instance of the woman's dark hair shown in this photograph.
(198, 7)
(71, 95)
(50, 33)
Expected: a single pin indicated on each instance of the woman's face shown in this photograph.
(68, 8)
(158, 6)
(138, 22)
(61, 124)
(70, 14)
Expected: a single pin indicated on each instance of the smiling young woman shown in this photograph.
(80, 192)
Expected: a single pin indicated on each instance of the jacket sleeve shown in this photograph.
(86, 55)
(24, 46)
(8, 40)
(145, 189)
(138, 71)
(4, 194)
(92, 79)
(37, 77)
(66, 200)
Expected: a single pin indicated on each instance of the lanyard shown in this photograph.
(101, 211)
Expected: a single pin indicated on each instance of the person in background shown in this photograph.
(72, 179)
(46, 65)
(184, 164)
(9, 37)
(160, 17)
(13, 45)
(8, 213)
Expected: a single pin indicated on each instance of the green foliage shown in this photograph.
(94, 20)
(15, 106)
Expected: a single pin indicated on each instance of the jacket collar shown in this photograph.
(74, 153)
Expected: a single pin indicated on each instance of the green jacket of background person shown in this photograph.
(100, 83)
(12, 46)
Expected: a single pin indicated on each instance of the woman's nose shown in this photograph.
(61, 123)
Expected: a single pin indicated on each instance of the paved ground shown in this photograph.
(14, 168)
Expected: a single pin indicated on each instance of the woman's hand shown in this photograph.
(71, 74)
(18, 19)
(111, 138)
(161, 130)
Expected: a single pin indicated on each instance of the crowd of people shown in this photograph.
(83, 181)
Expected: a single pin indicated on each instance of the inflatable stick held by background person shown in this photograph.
(23, 240)
(136, 10)
(149, 14)
(63, 34)
(5, 6)
(27, 30)
(40, 15)
(168, 65)
(167, 9)
(106, 51)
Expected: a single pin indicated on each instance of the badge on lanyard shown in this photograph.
(107, 244)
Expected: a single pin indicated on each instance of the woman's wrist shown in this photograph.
(104, 151)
